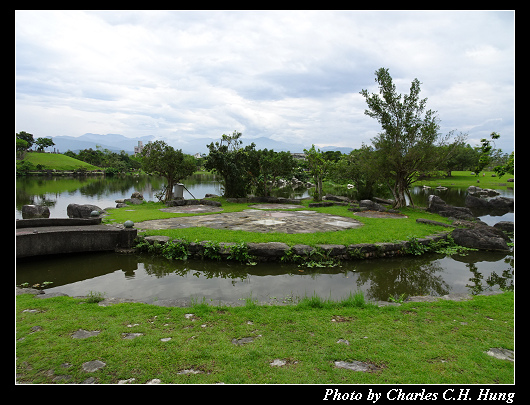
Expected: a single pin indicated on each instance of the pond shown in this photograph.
(58, 192)
(147, 278)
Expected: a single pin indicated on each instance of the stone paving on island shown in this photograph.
(259, 218)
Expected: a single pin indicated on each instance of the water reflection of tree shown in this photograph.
(162, 268)
(505, 281)
(411, 277)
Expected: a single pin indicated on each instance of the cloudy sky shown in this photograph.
(288, 75)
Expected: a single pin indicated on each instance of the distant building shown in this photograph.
(138, 149)
(299, 156)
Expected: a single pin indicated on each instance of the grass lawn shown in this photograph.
(375, 229)
(53, 161)
(442, 342)
(464, 179)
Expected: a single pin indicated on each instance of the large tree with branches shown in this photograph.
(407, 145)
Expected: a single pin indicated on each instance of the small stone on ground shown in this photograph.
(356, 366)
(501, 354)
(94, 365)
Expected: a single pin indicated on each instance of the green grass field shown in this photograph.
(52, 161)
(435, 343)
(464, 179)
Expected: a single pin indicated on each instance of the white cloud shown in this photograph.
(288, 75)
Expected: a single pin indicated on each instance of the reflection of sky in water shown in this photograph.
(157, 279)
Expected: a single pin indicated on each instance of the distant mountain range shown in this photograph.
(117, 143)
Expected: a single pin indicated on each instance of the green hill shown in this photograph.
(52, 161)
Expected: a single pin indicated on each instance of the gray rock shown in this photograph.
(506, 226)
(131, 335)
(501, 354)
(269, 249)
(157, 238)
(35, 211)
(133, 201)
(502, 203)
(483, 237)
(356, 366)
(371, 205)
(94, 365)
(242, 341)
(439, 206)
(83, 334)
(82, 210)
(476, 202)
(28, 291)
(137, 195)
(431, 222)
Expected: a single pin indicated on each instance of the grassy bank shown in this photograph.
(464, 179)
(442, 342)
(53, 161)
(374, 229)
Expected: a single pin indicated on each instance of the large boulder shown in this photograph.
(480, 237)
(371, 205)
(35, 211)
(506, 226)
(82, 210)
(483, 206)
(440, 207)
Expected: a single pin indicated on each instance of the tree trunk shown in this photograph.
(169, 190)
(398, 191)
(318, 194)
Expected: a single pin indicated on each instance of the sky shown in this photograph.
(293, 76)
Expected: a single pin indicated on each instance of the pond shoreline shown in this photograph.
(280, 251)
(186, 303)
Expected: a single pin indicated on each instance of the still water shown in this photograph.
(148, 278)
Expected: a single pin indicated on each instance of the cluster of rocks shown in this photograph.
(202, 201)
(475, 234)
(72, 210)
(137, 198)
(488, 201)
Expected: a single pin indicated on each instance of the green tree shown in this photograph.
(485, 151)
(267, 166)
(232, 162)
(406, 147)
(508, 167)
(44, 143)
(21, 146)
(358, 169)
(319, 167)
(161, 159)
(26, 137)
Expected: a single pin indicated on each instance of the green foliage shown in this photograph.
(94, 297)
(161, 159)
(231, 161)
(415, 247)
(175, 251)
(406, 146)
(239, 252)
(319, 167)
(44, 143)
(212, 251)
(267, 166)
